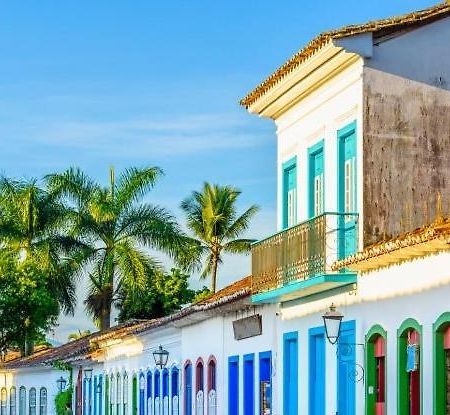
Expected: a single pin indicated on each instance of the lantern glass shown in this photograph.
(161, 357)
(332, 320)
(61, 382)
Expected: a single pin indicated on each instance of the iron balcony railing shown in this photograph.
(303, 251)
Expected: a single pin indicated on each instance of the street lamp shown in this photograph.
(88, 374)
(332, 320)
(161, 356)
(61, 382)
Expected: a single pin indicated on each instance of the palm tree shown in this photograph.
(78, 335)
(211, 216)
(119, 228)
(33, 227)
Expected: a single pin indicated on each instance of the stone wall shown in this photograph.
(406, 156)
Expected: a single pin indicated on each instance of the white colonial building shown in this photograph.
(363, 130)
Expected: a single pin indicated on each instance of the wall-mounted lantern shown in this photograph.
(161, 357)
(332, 320)
(88, 374)
(61, 383)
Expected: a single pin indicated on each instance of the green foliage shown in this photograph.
(212, 218)
(33, 227)
(78, 335)
(27, 307)
(62, 399)
(163, 294)
(118, 228)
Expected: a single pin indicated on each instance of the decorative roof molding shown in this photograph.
(378, 28)
(421, 242)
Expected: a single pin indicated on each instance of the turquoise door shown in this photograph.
(346, 369)
(347, 189)
(290, 374)
(290, 193)
(316, 180)
(317, 371)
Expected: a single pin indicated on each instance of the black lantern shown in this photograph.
(332, 321)
(61, 382)
(161, 356)
(88, 374)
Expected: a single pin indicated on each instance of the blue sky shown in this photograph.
(100, 83)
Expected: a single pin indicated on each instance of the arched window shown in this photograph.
(149, 393)
(175, 383)
(12, 401)
(441, 363)
(112, 395)
(199, 387)
(188, 388)
(3, 401)
(32, 401)
(409, 368)
(22, 400)
(376, 371)
(125, 394)
(157, 404)
(43, 401)
(212, 395)
(141, 393)
(165, 391)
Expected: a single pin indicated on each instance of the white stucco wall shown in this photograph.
(319, 116)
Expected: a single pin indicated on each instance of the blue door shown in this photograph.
(290, 374)
(265, 382)
(317, 371)
(347, 189)
(149, 394)
(346, 369)
(188, 389)
(233, 385)
(249, 384)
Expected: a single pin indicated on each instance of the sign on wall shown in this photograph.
(247, 327)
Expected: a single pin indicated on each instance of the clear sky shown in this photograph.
(107, 82)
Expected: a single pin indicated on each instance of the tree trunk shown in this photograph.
(105, 319)
(214, 275)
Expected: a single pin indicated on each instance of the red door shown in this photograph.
(79, 394)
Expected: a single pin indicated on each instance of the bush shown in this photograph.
(62, 399)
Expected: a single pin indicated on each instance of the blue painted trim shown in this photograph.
(265, 355)
(290, 373)
(282, 293)
(286, 166)
(249, 383)
(344, 382)
(316, 380)
(312, 152)
(233, 385)
(348, 129)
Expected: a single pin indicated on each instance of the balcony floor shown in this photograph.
(305, 288)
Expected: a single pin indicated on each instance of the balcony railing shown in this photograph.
(303, 251)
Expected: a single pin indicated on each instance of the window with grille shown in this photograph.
(32, 401)
(43, 401)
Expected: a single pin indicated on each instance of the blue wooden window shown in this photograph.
(347, 189)
(249, 384)
(233, 385)
(317, 371)
(141, 394)
(290, 373)
(289, 206)
(346, 369)
(316, 179)
(99, 392)
(188, 389)
(265, 382)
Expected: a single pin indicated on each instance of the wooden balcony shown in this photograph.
(301, 257)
